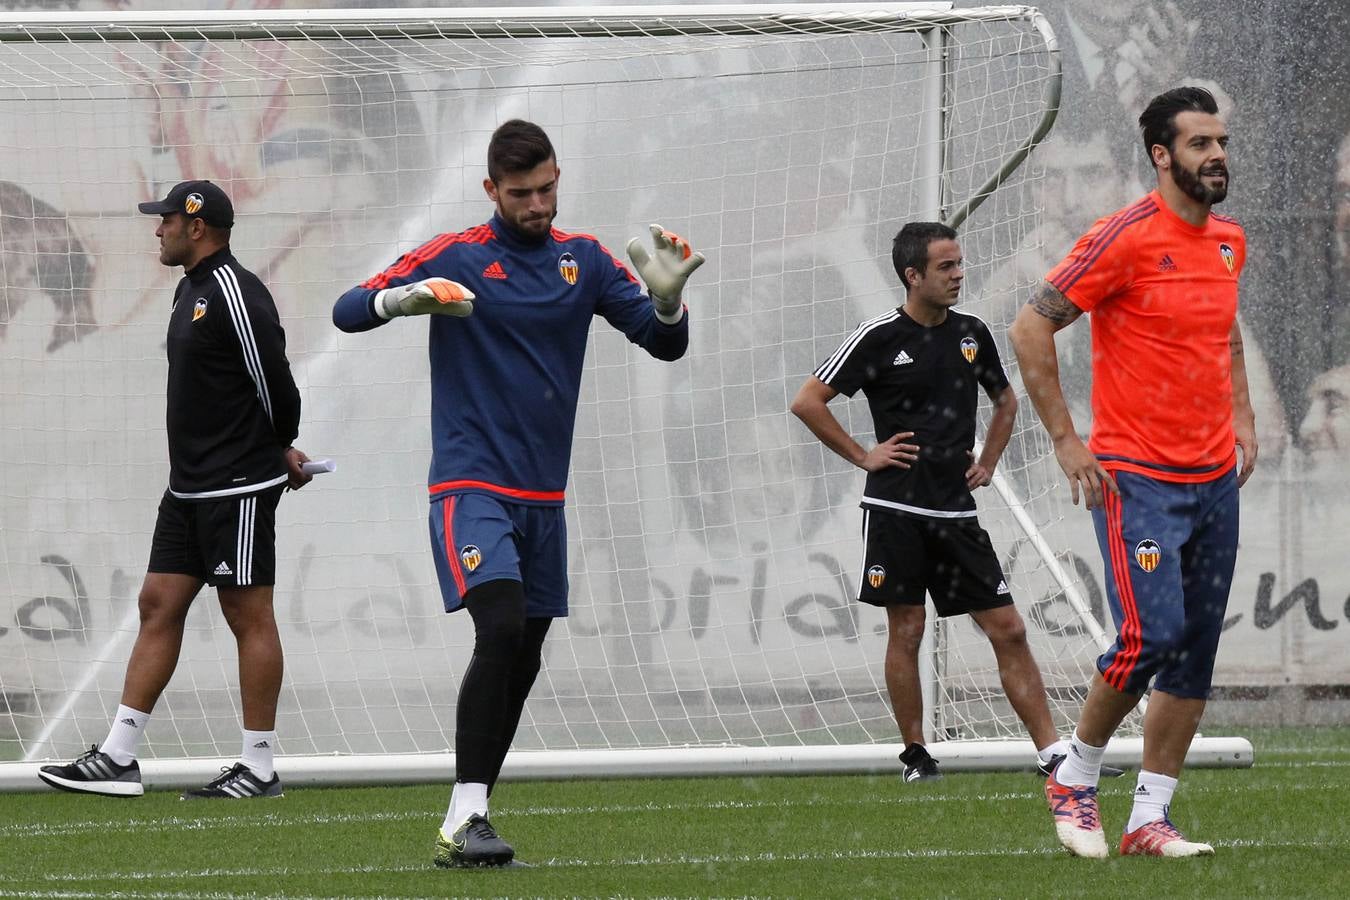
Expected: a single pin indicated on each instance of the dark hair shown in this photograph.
(1158, 121)
(517, 146)
(910, 247)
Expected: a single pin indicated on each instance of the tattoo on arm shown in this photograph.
(1235, 345)
(1049, 302)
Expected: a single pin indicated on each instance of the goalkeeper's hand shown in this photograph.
(433, 296)
(665, 270)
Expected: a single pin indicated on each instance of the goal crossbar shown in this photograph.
(822, 135)
(542, 21)
(692, 762)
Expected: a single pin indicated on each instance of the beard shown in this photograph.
(1191, 185)
(173, 255)
(537, 227)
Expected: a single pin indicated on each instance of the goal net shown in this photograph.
(714, 545)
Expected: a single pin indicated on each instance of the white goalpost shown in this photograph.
(714, 545)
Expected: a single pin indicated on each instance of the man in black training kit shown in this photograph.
(233, 411)
(920, 367)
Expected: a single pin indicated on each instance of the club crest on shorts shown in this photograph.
(470, 557)
(1229, 257)
(199, 308)
(969, 348)
(1148, 554)
(876, 576)
(193, 204)
(568, 268)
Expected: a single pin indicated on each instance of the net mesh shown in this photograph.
(714, 545)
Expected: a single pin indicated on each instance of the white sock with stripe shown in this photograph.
(124, 735)
(466, 799)
(1049, 751)
(257, 753)
(1152, 794)
(1083, 765)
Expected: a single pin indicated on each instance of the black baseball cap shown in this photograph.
(197, 200)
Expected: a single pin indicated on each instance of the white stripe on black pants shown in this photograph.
(248, 509)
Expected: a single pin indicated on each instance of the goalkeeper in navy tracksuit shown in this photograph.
(512, 302)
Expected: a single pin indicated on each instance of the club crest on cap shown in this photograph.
(876, 576)
(193, 204)
(969, 348)
(471, 557)
(1148, 554)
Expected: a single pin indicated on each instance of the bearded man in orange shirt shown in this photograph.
(1161, 470)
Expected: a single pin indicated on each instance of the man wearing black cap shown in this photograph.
(233, 411)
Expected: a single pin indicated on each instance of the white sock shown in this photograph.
(124, 734)
(466, 799)
(257, 752)
(1049, 751)
(1152, 794)
(1083, 765)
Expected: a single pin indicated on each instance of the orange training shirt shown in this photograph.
(1163, 298)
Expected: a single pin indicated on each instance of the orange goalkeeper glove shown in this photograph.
(432, 296)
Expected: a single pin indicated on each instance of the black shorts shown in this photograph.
(952, 560)
(226, 542)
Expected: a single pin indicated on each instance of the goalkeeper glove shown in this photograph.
(435, 296)
(665, 270)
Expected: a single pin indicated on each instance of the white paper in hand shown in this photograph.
(318, 466)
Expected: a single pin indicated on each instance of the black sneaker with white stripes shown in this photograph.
(919, 766)
(95, 773)
(237, 783)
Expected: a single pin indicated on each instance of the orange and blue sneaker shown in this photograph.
(1160, 838)
(1077, 822)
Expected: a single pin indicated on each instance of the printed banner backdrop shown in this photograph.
(75, 555)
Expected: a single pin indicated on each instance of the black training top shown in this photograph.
(233, 407)
(922, 380)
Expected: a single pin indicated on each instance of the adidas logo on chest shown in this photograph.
(902, 359)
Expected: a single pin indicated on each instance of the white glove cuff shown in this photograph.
(380, 309)
(673, 319)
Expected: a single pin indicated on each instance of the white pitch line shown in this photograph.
(644, 860)
(175, 823)
(269, 820)
(157, 895)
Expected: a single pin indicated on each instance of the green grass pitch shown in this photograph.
(1280, 829)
